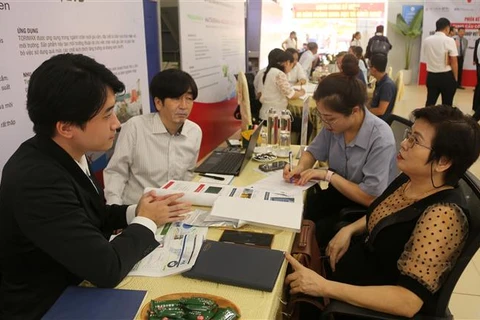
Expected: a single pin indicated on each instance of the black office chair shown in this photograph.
(470, 187)
(398, 125)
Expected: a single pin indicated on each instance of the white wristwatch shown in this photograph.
(329, 175)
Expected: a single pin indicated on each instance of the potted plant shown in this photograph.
(410, 32)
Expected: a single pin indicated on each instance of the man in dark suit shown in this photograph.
(54, 224)
(476, 94)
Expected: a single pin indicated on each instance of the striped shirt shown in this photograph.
(147, 155)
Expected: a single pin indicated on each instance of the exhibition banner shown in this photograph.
(212, 45)
(461, 14)
(110, 31)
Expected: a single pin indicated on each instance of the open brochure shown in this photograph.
(179, 246)
(264, 206)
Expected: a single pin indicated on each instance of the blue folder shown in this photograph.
(96, 303)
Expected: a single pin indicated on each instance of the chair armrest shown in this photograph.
(336, 307)
(352, 214)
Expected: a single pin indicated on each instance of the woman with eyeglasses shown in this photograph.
(359, 148)
(413, 232)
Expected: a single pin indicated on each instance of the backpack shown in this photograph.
(379, 46)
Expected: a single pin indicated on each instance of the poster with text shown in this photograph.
(212, 46)
(110, 31)
(461, 14)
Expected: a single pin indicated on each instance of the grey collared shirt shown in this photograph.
(369, 160)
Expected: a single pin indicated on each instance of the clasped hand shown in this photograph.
(300, 176)
(162, 209)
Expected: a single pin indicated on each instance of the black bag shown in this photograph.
(379, 46)
(305, 249)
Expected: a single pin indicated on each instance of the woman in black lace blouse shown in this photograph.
(414, 231)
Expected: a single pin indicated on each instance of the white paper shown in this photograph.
(177, 252)
(202, 218)
(277, 214)
(276, 182)
(204, 194)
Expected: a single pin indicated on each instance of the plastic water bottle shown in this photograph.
(284, 136)
(272, 128)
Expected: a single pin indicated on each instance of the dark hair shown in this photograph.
(355, 34)
(350, 65)
(379, 61)
(341, 54)
(380, 28)
(172, 83)
(342, 91)
(441, 24)
(457, 138)
(461, 28)
(312, 45)
(293, 32)
(68, 87)
(292, 51)
(275, 60)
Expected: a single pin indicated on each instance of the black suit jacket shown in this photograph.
(475, 57)
(54, 229)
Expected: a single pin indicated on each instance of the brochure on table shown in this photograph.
(178, 249)
(265, 206)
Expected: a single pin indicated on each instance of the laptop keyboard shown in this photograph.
(230, 163)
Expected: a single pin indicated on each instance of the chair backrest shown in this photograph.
(400, 86)
(470, 187)
(389, 72)
(244, 101)
(398, 125)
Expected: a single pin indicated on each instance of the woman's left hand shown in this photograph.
(304, 280)
(311, 174)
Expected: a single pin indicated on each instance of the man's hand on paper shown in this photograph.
(162, 209)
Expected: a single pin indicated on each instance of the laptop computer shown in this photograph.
(232, 163)
(237, 265)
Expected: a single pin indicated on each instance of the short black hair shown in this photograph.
(68, 87)
(172, 83)
(379, 62)
(461, 28)
(312, 45)
(379, 28)
(441, 24)
(457, 138)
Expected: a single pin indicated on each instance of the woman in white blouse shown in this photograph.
(356, 40)
(297, 75)
(276, 88)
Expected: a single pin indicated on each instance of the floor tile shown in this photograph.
(465, 306)
(469, 282)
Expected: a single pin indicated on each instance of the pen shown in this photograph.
(212, 177)
(290, 160)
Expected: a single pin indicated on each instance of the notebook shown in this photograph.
(237, 265)
(96, 303)
(232, 163)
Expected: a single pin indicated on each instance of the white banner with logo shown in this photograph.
(110, 31)
(212, 46)
(464, 14)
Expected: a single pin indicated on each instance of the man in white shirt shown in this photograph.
(440, 53)
(309, 57)
(156, 147)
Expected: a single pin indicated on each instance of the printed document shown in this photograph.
(178, 250)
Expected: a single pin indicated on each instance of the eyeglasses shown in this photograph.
(321, 117)
(412, 140)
